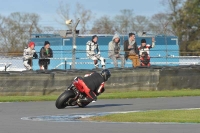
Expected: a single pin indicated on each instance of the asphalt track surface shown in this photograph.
(11, 115)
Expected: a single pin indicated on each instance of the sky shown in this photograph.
(47, 9)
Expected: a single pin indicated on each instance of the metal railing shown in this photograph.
(16, 63)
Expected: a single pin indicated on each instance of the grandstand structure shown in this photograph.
(165, 52)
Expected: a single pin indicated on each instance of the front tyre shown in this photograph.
(61, 102)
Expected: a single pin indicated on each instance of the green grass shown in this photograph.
(149, 94)
(179, 116)
(110, 94)
(27, 98)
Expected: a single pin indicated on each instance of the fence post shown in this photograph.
(65, 64)
(74, 44)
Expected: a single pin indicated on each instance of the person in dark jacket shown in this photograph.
(131, 50)
(92, 84)
(45, 53)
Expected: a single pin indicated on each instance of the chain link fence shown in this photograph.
(165, 53)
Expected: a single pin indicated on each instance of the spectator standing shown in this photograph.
(28, 55)
(144, 52)
(45, 53)
(114, 51)
(93, 52)
(131, 50)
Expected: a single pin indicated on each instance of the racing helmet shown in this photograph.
(105, 74)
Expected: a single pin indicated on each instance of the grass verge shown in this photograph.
(179, 116)
(149, 94)
(109, 95)
(27, 98)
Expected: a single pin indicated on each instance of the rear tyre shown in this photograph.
(61, 102)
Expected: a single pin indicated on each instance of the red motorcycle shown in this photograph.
(75, 93)
(72, 97)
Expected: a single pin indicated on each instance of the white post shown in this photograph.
(74, 44)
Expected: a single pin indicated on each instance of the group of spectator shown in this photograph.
(138, 55)
(30, 53)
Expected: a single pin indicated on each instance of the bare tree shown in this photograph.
(84, 15)
(80, 13)
(16, 29)
(63, 11)
(160, 24)
(173, 9)
(140, 23)
(172, 5)
(124, 21)
(3, 38)
(103, 25)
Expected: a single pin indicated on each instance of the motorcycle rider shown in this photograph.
(92, 85)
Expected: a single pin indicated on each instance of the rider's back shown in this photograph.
(93, 81)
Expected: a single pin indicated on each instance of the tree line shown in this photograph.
(181, 19)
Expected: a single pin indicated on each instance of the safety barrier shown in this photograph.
(55, 81)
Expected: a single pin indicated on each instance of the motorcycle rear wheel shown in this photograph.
(61, 102)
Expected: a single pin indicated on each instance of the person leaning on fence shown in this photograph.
(93, 52)
(28, 55)
(114, 51)
(45, 53)
(144, 52)
(131, 50)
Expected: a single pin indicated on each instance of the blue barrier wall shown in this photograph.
(166, 47)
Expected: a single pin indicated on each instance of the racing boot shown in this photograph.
(96, 66)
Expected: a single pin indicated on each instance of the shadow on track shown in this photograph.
(98, 106)
(105, 105)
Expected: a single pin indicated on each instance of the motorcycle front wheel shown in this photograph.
(61, 102)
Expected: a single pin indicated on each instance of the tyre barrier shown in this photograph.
(55, 81)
